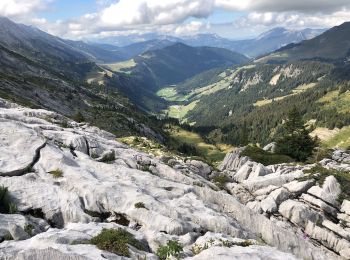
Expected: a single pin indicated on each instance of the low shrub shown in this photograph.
(266, 158)
(108, 157)
(140, 205)
(188, 149)
(171, 249)
(116, 241)
(58, 173)
(319, 154)
(78, 117)
(28, 228)
(221, 180)
(12, 208)
(6, 206)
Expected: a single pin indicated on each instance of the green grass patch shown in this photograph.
(116, 241)
(6, 206)
(28, 228)
(58, 173)
(123, 66)
(146, 145)
(171, 249)
(221, 180)
(340, 140)
(319, 173)
(108, 157)
(210, 152)
(180, 111)
(337, 101)
(170, 94)
(266, 158)
(140, 205)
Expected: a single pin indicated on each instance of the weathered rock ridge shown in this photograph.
(70, 180)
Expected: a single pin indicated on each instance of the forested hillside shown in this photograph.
(248, 104)
(141, 77)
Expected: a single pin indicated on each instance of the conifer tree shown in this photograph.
(295, 140)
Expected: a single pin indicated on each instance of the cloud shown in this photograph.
(324, 6)
(294, 19)
(191, 28)
(137, 12)
(182, 16)
(13, 8)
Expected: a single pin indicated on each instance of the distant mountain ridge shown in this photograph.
(332, 45)
(264, 43)
(155, 69)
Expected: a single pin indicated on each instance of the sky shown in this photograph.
(235, 19)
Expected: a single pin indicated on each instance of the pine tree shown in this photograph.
(295, 140)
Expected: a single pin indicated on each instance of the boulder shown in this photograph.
(298, 213)
(258, 170)
(233, 161)
(341, 156)
(320, 204)
(271, 147)
(297, 187)
(275, 179)
(328, 238)
(339, 230)
(329, 192)
(19, 148)
(269, 205)
(345, 207)
(18, 226)
(243, 172)
(18, 233)
(200, 168)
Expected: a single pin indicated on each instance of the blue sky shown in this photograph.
(68, 9)
(81, 19)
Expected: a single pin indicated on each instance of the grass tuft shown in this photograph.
(108, 158)
(221, 180)
(116, 241)
(58, 173)
(171, 249)
(266, 158)
(140, 205)
(6, 206)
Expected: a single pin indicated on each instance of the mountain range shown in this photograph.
(264, 43)
(332, 45)
(163, 149)
(312, 75)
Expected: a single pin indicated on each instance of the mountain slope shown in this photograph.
(332, 45)
(43, 48)
(249, 102)
(42, 71)
(139, 48)
(273, 40)
(265, 43)
(99, 54)
(154, 69)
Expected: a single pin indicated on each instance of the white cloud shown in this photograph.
(191, 28)
(293, 19)
(296, 5)
(12, 8)
(136, 12)
(171, 16)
